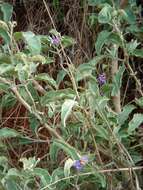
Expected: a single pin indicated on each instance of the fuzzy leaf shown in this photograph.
(101, 40)
(105, 14)
(67, 167)
(117, 81)
(66, 110)
(123, 116)
(46, 78)
(68, 149)
(8, 133)
(7, 10)
(33, 42)
(135, 122)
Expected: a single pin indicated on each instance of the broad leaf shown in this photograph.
(85, 70)
(124, 115)
(7, 10)
(101, 40)
(43, 175)
(68, 149)
(46, 78)
(8, 133)
(135, 122)
(33, 42)
(105, 14)
(138, 53)
(66, 110)
(139, 102)
(68, 164)
(54, 95)
(117, 81)
(4, 34)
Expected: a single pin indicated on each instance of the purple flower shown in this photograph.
(79, 164)
(101, 79)
(55, 40)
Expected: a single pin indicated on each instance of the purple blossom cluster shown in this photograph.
(79, 164)
(55, 40)
(101, 79)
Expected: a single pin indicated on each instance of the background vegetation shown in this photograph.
(71, 95)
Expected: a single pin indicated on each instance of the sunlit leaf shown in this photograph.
(68, 164)
(66, 110)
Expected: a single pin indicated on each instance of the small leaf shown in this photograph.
(105, 14)
(117, 81)
(67, 167)
(30, 163)
(8, 100)
(33, 122)
(46, 78)
(7, 10)
(85, 70)
(72, 152)
(135, 122)
(54, 152)
(139, 102)
(123, 116)
(66, 110)
(53, 95)
(67, 41)
(8, 133)
(33, 42)
(43, 174)
(5, 35)
(138, 53)
(60, 76)
(131, 46)
(101, 40)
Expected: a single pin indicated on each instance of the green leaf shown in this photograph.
(8, 133)
(124, 115)
(8, 100)
(85, 70)
(3, 87)
(11, 184)
(54, 95)
(68, 149)
(68, 164)
(101, 40)
(131, 46)
(5, 35)
(5, 68)
(139, 102)
(67, 41)
(96, 2)
(60, 76)
(104, 15)
(117, 81)
(33, 122)
(138, 53)
(43, 174)
(46, 78)
(66, 110)
(7, 10)
(102, 132)
(54, 152)
(33, 42)
(135, 122)
(30, 163)
(101, 103)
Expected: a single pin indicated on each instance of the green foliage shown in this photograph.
(70, 104)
